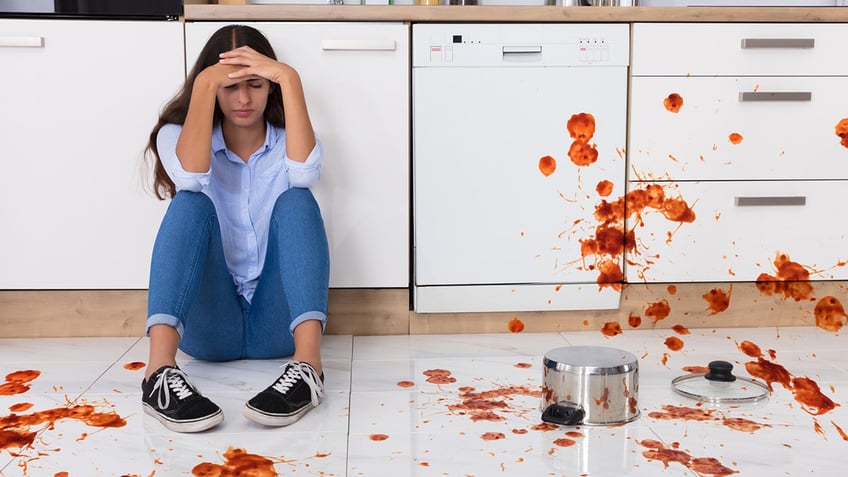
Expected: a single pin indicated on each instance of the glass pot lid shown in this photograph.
(719, 386)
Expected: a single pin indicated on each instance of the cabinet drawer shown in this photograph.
(739, 229)
(739, 49)
(786, 125)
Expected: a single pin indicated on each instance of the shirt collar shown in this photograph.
(219, 145)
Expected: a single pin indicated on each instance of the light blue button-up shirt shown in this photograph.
(243, 193)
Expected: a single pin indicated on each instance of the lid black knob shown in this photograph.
(720, 371)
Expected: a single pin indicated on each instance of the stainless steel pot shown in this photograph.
(590, 385)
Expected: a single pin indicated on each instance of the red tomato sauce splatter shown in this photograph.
(735, 138)
(672, 290)
(564, 442)
(581, 127)
(673, 102)
(700, 465)
(830, 314)
(378, 437)
(523, 365)
(493, 436)
(16, 429)
(680, 330)
(18, 382)
(674, 343)
(547, 165)
(842, 131)
(439, 376)
(658, 311)
(515, 325)
(238, 463)
(20, 407)
(717, 300)
(696, 369)
(611, 328)
(634, 320)
(792, 280)
(519, 431)
(485, 405)
(604, 188)
(842, 433)
(805, 391)
(405, 384)
(134, 366)
(809, 395)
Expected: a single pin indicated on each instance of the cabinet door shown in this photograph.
(784, 127)
(79, 99)
(356, 81)
(739, 229)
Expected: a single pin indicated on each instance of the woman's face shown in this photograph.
(243, 103)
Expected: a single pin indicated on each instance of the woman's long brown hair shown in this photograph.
(225, 39)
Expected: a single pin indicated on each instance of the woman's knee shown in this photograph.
(295, 198)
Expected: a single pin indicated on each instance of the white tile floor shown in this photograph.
(421, 435)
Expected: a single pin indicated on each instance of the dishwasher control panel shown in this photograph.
(483, 45)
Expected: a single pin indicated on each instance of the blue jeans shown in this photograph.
(191, 288)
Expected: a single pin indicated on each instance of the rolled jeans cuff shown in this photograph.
(164, 319)
(309, 315)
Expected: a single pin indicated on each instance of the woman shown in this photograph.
(240, 265)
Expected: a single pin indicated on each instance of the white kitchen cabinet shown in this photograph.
(79, 99)
(737, 122)
(356, 82)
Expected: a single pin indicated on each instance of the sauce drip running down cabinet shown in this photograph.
(518, 140)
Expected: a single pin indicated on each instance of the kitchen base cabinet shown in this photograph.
(736, 144)
(356, 80)
(79, 100)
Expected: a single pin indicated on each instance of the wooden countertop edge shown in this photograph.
(412, 13)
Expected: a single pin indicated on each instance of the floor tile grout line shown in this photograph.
(349, 406)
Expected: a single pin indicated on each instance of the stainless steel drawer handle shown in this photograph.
(21, 42)
(775, 96)
(358, 45)
(522, 50)
(771, 201)
(778, 43)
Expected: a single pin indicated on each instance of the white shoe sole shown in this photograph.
(275, 420)
(197, 425)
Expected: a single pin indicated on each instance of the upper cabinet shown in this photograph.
(356, 81)
(79, 101)
(735, 139)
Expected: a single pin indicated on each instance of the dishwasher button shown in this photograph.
(448, 54)
(435, 54)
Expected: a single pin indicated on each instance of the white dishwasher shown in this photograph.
(518, 138)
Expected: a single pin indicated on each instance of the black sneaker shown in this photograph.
(171, 398)
(292, 395)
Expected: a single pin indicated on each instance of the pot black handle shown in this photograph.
(564, 413)
(720, 371)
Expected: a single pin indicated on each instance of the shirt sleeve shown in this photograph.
(306, 174)
(166, 143)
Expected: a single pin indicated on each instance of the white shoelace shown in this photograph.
(175, 380)
(297, 370)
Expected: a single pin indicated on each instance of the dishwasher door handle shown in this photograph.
(521, 53)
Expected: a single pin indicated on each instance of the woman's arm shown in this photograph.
(195, 143)
(300, 138)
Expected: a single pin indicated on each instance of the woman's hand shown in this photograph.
(247, 63)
